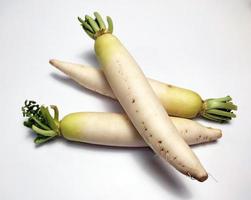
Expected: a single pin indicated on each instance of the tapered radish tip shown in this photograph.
(203, 177)
(215, 131)
(52, 61)
(219, 133)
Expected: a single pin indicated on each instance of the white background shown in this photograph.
(198, 44)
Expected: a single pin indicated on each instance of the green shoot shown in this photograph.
(40, 121)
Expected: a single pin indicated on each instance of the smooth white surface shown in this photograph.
(202, 45)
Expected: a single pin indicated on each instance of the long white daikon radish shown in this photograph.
(177, 101)
(109, 129)
(139, 101)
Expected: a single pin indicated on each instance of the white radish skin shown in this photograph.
(142, 106)
(177, 101)
(113, 129)
(90, 77)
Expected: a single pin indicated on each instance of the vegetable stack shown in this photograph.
(146, 102)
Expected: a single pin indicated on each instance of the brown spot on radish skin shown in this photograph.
(186, 131)
(168, 85)
(143, 123)
(159, 141)
(137, 111)
(133, 100)
(145, 129)
(151, 135)
(174, 158)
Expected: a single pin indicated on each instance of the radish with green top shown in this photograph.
(177, 101)
(110, 129)
(138, 99)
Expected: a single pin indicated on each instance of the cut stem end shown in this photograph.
(41, 121)
(219, 109)
(95, 27)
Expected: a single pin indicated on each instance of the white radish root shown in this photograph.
(114, 129)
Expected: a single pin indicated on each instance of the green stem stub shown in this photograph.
(40, 121)
(220, 109)
(95, 27)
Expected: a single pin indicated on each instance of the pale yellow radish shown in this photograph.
(139, 101)
(177, 101)
(109, 129)
(115, 129)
